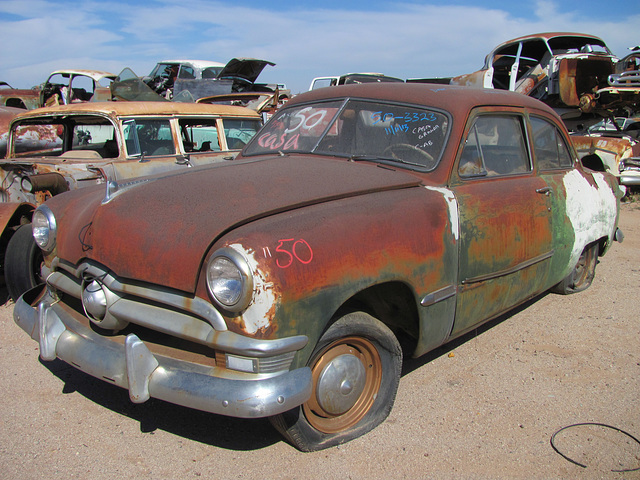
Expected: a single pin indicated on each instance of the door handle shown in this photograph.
(544, 190)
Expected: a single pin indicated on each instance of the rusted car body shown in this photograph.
(574, 73)
(61, 88)
(23, 98)
(56, 149)
(356, 217)
(619, 151)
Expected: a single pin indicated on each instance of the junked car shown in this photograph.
(61, 87)
(574, 73)
(191, 79)
(352, 78)
(358, 216)
(166, 72)
(53, 150)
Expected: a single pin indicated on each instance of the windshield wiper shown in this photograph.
(373, 158)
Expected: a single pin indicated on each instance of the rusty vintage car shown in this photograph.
(574, 73)
(53, 150)
(61, 87)
(357, 217)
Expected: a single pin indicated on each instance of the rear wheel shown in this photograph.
(22, 262)
(355, 370)
(582, 274)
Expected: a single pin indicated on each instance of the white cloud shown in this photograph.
(405, 40)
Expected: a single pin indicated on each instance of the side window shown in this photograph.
(186, 72)
(148, 137)
(495, 146)
(549, 147)
(97, 138)
(240, 131)
(82, 88)
(199, 135)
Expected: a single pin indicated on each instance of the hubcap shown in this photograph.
(346, 380)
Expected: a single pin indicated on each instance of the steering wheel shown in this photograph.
(400, 150)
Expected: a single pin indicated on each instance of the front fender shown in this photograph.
(308, 262)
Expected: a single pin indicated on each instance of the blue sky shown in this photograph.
(406, 38)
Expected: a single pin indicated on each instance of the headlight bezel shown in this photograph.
(44, 214)
(244, 275)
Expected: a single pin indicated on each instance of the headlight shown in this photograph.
(43, 225)
(229, 280)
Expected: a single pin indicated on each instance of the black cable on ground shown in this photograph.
(597, 425)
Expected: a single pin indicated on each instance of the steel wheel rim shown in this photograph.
(355, 396)
(581, 272)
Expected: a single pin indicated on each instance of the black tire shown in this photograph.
(356, 368)
(582, 274)
(22, 262)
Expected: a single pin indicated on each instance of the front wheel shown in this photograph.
(355, 370)
(22, 262)
(582, 274)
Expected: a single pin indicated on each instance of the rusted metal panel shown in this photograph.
(613, 150)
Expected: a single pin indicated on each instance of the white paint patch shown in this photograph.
(591, 210)
(452, 203)
(255, 316)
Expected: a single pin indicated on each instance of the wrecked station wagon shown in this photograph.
(53, 150)
(356, 218)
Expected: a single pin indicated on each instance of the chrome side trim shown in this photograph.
(439, 295)
(508, 271)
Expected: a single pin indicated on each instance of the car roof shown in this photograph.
(455, 99)
(126, 108)
(195, 63)
(550, 35)
(94, 74)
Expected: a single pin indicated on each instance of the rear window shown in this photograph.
(548, 145)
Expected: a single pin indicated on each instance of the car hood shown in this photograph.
(159, 229)
(246, 68)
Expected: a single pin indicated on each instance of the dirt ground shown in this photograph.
(483, 407)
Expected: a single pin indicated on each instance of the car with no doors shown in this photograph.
(361, 224)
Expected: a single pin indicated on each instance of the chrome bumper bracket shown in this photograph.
(140, 365)
(50, 327)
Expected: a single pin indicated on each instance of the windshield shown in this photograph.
(78, 136)
(357, 129)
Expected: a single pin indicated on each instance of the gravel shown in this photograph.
(485, 406)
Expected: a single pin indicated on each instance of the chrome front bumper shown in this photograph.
(134, 367)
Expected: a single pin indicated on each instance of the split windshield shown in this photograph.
(357, 129)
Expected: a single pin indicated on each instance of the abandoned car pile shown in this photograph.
(281, 284)
(275, 271)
